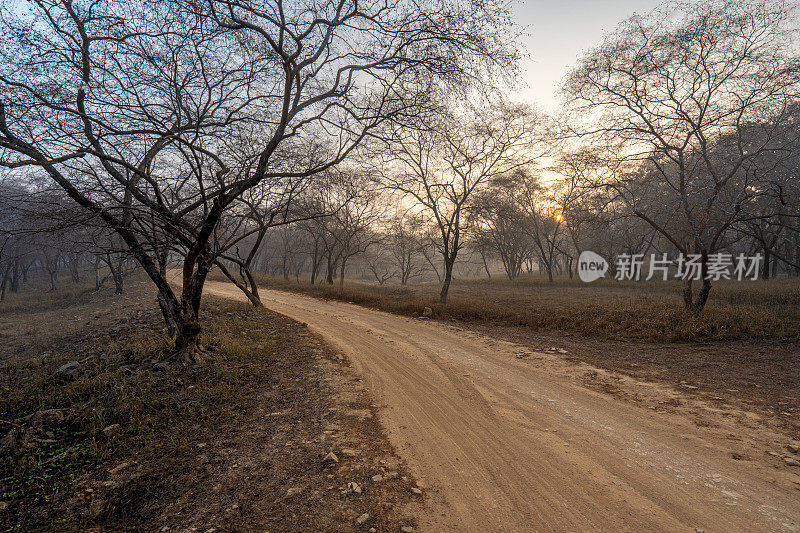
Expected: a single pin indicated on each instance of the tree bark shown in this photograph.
(448, 277)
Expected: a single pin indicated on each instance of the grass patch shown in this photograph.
(157, 412)
(37, 298)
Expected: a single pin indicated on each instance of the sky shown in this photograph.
(557, 34)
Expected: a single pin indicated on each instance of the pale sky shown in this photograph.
(558, 33)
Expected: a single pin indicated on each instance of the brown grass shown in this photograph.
(212, 447)
(648, 311)
(155, 409)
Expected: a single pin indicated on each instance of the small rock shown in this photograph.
(377, 477)
(3, 506)
(362, 519)
(46, 419)
(119, 468)
(407, 529)
(793, 448)
(349, 452)
(415, 490)
(112, 430)
(352, 487)
(291, 491)
(372, 530)
(330, 459)
(65, 373)
(791, 461)
(427, 312)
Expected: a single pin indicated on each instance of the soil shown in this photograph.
(504, 437)
(760, 375)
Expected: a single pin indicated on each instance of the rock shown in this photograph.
(112, 431)
(349, 452)
(372, 530)
(377, 478)
(407, 529)
(119, 468)
(3, 506)
(46, 418)
(427, 312)
(330, 459)
(65, 373)
(791, 461)
(291, 491)
(562, 350)
(415, 490)
(362, 519)
(352, 488)
(794, 448)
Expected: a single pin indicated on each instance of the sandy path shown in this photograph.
(504, 445)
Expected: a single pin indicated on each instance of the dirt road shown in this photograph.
(506, 440)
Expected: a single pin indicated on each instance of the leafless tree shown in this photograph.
(131, 108)
(442, 165)
(688, 98)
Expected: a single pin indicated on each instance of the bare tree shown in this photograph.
(441, 166)
(130, 107)
(688, 98)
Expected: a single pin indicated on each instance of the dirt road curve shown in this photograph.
(508, 444)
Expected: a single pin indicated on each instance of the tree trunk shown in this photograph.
(3, 285)
(696, 304)
(765, 270)
(688, 295)
(74, 270)
(701, 298)
(448, 277)
(341, 275)
(15, 277)
(250, 292)
(116, 274)
(315, 261)
(485, 266)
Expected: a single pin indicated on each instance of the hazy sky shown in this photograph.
(558, 32)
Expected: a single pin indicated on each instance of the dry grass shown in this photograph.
(649, 311)
(37, 297)
(156, 409)
(212, 447)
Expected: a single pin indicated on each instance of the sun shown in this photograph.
(560, 217)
